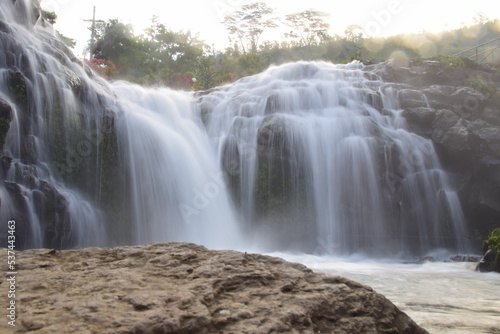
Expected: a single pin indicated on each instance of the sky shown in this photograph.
(203, 17)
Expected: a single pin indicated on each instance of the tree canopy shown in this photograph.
(247, 24)
(309, 27)
(180, 59)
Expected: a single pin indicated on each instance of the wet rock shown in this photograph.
(20, 205)
(444, 120)
(72, 79)
(409, 98)
(489, 262)
(29, 154)
(452, 138)
(51, 208)
(484, 201)
(487, 141)
(5, 119)
(420, 119)
(271, 136)
(393, 73)
(205, 110)
(426, 259)
(5, 163)
(455, 138)
(185, 288)
(374, 100)
(491, 112)
(274, 104)
(5, 27)
(17, 87)
(465, 129)
(464, 101)
(464, 258)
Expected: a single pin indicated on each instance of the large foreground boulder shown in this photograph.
(185, 288)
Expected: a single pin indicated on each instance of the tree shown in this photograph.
(176, 53)
(309, 27)
(248, 24)
(354, 33)
(118, 44)
(206, 76)
(51, 17)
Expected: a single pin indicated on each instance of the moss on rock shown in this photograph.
(5, 119)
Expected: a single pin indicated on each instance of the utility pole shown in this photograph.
(93, 34)
(92, 37)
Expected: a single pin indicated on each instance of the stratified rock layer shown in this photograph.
(185, 288)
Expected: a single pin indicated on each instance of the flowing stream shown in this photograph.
(442, 297)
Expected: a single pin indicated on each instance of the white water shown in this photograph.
(178, 190)
(336, 133)
(442, 297)
(28, 49)
(315, 157)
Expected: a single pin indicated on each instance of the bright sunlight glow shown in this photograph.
(376, 17)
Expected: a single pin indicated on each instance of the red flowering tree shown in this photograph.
(104, 67)
(183, 82)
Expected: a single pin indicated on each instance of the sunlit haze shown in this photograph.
(377, 17)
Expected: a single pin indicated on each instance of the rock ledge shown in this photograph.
(185, 288)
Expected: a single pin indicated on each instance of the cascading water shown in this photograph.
(177, 189)
(44, 104)
(307, 156)
(329, 139)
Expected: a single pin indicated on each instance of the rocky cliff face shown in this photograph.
(185, 288)
(451, 102)
(457, 106)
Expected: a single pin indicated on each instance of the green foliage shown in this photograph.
(250, 64)
(49, 16)
(4, 129)
(482, 85)
(19, 93)
(119, 45)
(451, 62)
(206, 76)
(493, 241)
(355, 56)
(70, 42)
(161, 55)
(417, 61)
(157, 58)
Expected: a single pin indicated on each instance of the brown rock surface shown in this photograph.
(185, 288)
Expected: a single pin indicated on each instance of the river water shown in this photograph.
(442, 297)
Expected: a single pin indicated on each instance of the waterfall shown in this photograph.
(324, 162)
(177, 189)
(307, 156)
(51, 105)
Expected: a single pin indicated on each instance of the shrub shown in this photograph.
(104, 67)
(449, 62)
(493, 241)
(480, 84)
